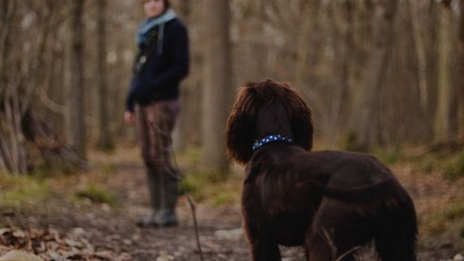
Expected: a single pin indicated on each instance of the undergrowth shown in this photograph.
(22, 190)
(98, 194)
(455, 168)
(208, 187)
(446, 223)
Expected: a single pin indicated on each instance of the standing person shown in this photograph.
(153, 103)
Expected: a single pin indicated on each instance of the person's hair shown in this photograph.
(167, 4)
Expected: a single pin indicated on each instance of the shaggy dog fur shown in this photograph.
(329, 202)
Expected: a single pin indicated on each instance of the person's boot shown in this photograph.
(154, 187)
(170, 192)
(149, 220)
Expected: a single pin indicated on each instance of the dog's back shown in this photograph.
(325, 191)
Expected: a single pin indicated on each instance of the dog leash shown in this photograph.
(190, 200)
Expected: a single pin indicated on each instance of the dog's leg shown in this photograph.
(398, 249)
(265, 251)
(262, 247)
(258, 230)
(338, 230)
(317, 249)
(396, 237)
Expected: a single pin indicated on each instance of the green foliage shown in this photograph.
(389, 156)
(25, 191)
(427, 166)
(190, 156)
(225, 197)
(455, 169)
(194, 184)
(97, 194)
(107, 169)
(212, 187)
(437, 228)
(456, 211)
(347, 142)
(206, 186)
(445, 220)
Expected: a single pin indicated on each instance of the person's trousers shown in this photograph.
(156, 123)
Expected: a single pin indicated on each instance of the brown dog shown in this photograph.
(329, 202)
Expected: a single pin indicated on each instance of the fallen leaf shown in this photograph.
(19, 234)
(72, 243)
(16, 255)
(164, 256)
(458, 257)
(4, 230)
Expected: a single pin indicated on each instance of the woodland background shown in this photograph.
(378, 74)
(382, 76)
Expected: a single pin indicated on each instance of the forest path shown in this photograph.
(111, 233)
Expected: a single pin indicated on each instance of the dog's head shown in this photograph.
(267, 108)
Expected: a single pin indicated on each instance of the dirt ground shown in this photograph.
(110, 233)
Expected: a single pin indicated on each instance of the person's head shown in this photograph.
(154, 8)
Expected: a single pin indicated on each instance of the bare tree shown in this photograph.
(257, 61)
(420, 52)
(443, 117)
(217, 81)
(460, 50)
(307, 27)
(75, 127)
(342, 16)
(105, 140)
(12, 151)
(6, 16)
(400, 86)
(180, 131)
(365, 122)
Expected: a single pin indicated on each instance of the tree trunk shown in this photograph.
(105, 140)
(180, 133)
(12, 152)
(38, 65)
(443, 129)
(364, 126)
(217, 80)
(258, 61)
(6, 14)
(12, 140)
(184, 9)
(306, 29)
(75, 127)
(460, 51)
(420, 53)
(343, 22)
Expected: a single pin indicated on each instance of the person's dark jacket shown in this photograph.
(158, 70)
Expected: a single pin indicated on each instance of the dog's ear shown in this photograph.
(300, 117)
(241, 125)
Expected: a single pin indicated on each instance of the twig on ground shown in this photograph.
(334, 249)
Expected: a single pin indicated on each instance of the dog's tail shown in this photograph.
(380, 190)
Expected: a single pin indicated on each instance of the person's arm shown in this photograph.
(179, 68)
(129, 117)
(130, 100)
(130, 103)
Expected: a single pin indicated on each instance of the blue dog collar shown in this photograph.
(268, 139)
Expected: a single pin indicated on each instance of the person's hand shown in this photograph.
(129, 117)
